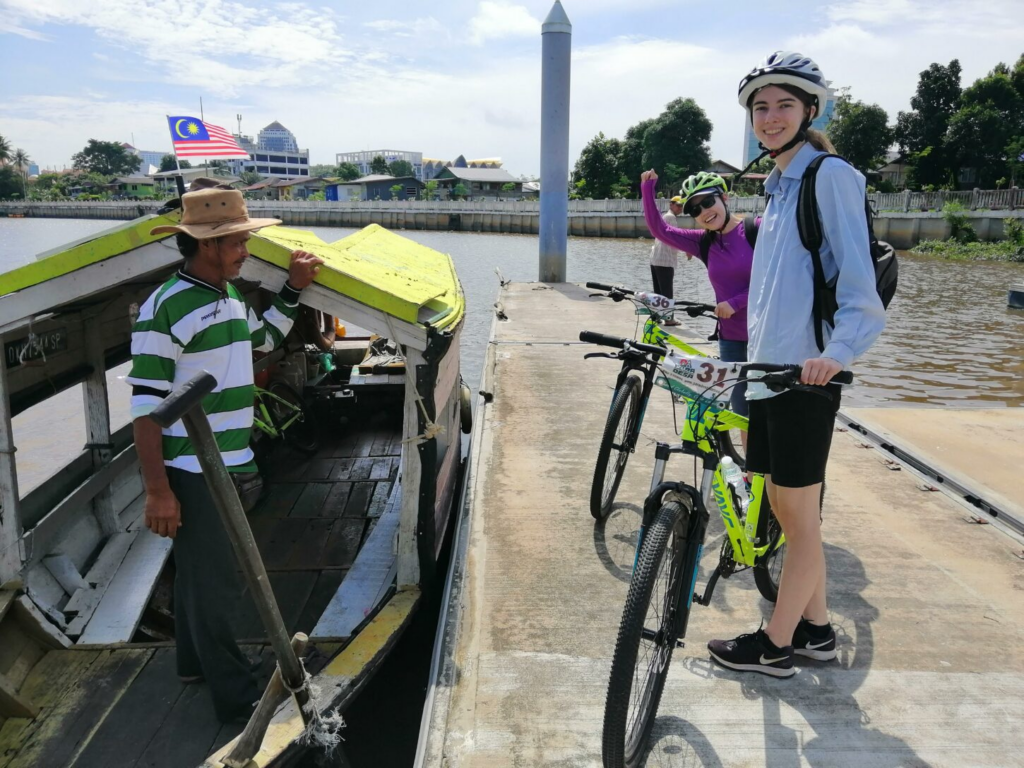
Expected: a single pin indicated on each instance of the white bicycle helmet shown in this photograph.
(786, 68)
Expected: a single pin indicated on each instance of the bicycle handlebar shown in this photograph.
(603, 287)
(791, 372)
(592, 337)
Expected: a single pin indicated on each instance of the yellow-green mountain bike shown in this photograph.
(671, 540)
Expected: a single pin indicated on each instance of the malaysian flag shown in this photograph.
(194, 138)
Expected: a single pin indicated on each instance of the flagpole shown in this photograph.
(206, 161)
(179, 179)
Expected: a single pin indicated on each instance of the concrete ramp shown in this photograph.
(928, 606)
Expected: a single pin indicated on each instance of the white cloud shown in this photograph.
(400, 28)
(495, 20)
(221, 46)
(9, 27)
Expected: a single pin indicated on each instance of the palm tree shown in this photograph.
(5, 150)
(20, 159)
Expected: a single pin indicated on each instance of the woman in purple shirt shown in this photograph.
(728, 258)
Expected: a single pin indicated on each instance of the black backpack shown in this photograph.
(808, 222)
(750, 230)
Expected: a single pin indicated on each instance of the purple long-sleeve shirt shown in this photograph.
(729, 260)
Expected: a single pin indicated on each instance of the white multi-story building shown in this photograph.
(274, 153)
(362, 160)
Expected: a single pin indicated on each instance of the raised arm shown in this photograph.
(687, 240)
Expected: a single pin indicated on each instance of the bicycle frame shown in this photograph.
(266, 423)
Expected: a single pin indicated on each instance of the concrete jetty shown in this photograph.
(926, 602)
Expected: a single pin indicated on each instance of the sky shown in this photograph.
(452, 77)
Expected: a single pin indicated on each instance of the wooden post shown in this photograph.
(97, 423)
(906, 200)
(10, 518)
(250, 740)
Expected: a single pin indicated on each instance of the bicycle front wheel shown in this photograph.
(291, 420)
(615, 447)
(646, 637)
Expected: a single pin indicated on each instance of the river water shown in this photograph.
(950, 340)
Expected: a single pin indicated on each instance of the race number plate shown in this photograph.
(655, 301)
(698, 378)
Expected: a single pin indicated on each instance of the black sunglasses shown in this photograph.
(702, 204)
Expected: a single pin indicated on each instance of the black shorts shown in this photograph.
(790, 436)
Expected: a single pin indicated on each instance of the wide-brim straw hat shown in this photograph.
(211, 213)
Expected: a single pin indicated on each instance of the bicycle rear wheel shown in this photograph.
(646, 637)
(301, 433)
(614, 451)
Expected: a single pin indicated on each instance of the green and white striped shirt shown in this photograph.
(187, 326)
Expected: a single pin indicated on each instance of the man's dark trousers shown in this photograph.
(207, 592)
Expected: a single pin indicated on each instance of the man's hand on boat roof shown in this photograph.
(163, 512)
(303, 269)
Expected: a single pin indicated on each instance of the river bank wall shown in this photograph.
(587, 218)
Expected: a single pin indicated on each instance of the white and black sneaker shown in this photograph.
(814, 641)
(754, 653)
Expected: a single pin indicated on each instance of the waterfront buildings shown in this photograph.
(363, 160)
(750, 148)
(275, 152)
(480, 183)
(375, 187)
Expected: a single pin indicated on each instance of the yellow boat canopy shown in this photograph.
(369, 276)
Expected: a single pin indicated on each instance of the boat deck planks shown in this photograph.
(126, 707)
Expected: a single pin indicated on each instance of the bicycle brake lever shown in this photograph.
(600, 354)
(821, 391)
(597, 295)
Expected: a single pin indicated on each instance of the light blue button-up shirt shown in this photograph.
(780, 311)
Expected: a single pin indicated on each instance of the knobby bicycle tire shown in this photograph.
(624, 741)
(768, 570)
(618, 430)
(301, 434)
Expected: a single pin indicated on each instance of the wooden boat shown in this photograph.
(350, 537)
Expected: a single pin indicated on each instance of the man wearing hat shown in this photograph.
(199, 321)
(664, 258)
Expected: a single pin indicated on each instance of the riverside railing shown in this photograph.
(907, 201)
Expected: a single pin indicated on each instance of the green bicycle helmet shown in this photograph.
(702, 182)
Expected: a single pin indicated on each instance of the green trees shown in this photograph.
(5, 150)
(974, 133)
(395, 190)
(348, 172)
(400, 168)
(921, 133)
(430, 190)
(21, 160)
(167, 163)
(460, 191)
(598, 166)
(380, 165)
(674, 144)
(249, 178)
(860, 132)
(107, 158)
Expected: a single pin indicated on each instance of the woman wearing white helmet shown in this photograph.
(791, 433)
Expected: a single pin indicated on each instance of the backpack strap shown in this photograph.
(808, 224)
(750, 231)
(706, 239)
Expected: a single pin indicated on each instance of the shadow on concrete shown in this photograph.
(615, 539)
(677, 742)
(823, 692)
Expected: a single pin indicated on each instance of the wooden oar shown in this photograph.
(185, 403)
